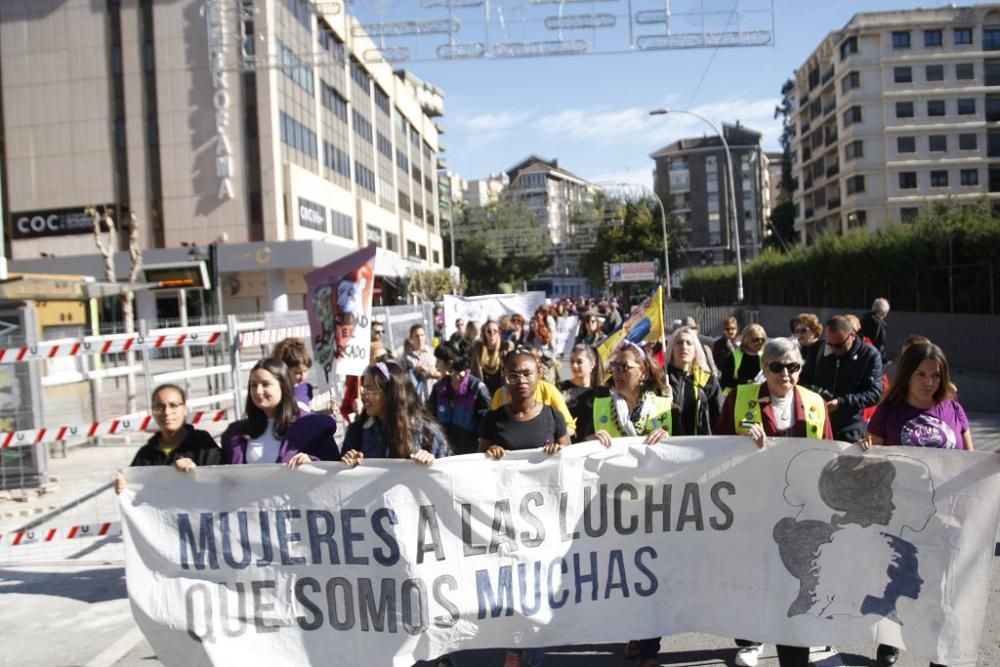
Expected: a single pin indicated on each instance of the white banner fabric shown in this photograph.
(566, 328)
(804, 543)
(489, 306)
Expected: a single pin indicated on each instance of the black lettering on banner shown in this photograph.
(500, 603)
(240, 614)
(653, 507)
(227, 541)
(347, 593)
(200, 548)
(322, 535)
(451, 619)
(532, 607)
(428, 521)
(503, 527)
(267, 551)
(390, 555)
(616, 578)
(199, 616)
(581, 577)
(286, 538)
(564, 535)
(316, 621)
(468, 548)
(690, 508)
(620, 527)
(588, 512)
(413, 598)
(350, 537)
(259, 606)
(727, 511)
(538, 500)
(640, 590)
(555, 602)
(378, 613)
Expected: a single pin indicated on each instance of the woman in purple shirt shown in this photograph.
(275, 429)
(919, 410)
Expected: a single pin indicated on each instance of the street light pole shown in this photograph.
(732, 192)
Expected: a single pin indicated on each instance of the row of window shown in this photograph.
(360, 76)
(331, 43)
(333, 101)
(290, 65)
(936, 143)
(301, 11)
(938, 178)
(343, 225)
(963, 72)
(384, 145)
(382, 100)
(362, 126)
(336, 160)
(935, 37)
(298, 136)
(402, 161)
(364, 176)
(964, 106)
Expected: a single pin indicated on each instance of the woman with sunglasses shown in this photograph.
(695, 388)
(777, 408)
(516, 334)
(175, 443)
(590, 330)
(394, 424)
(487, 356)
(743, 365)
(522, 423)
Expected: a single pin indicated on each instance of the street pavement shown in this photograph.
(66, 605)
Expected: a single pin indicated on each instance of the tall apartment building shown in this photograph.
(484, 191)
(894, 111)
(264, 122)
(690, 179)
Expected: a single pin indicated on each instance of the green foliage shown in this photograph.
(782, 224)
(433, 285)
(784, 112)
(906, 263)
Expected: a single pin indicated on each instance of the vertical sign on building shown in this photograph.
(215, 20)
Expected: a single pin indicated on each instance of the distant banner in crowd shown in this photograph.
(489, 306)
(804, 543)
(566, 334)
(645, 324)
(339, 302)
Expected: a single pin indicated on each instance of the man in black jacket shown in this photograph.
(847, 372)
(873, 326)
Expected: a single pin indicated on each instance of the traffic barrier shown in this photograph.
(271, 336)
(42, 535)
(113, 343)
(137, 422)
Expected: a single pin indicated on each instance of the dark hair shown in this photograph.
(597, 372)
(453, 356)
(655, 381)
(908, 364)
(184, 398)
(414, 328)
(912, 339)
(402, 409)
(293, 352)
(288, 409)
(840, 324)
(521, 351)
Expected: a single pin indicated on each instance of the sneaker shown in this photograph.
(886, 655)
(747, 656)
(632, 648)
(514, 659)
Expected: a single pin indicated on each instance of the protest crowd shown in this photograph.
(495, 386)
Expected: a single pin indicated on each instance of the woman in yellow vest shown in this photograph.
(777, 408)
(743, 364)
(696, 390)
(637, 402)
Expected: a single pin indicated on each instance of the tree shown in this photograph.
(782, 223)
(501, 242)
(784, 112)
(433, 285)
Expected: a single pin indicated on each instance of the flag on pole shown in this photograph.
(645, 324)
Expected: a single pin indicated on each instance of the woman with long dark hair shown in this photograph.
(275, 429)
(459, 400)
(578, 391)
(394, 424)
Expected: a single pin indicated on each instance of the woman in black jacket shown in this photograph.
(696, 389)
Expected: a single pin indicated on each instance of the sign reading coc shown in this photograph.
(54, 222)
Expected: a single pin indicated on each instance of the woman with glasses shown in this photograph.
(590, 330)
(743, 365)
(487, 356)
(394, 424)
(695, 388)
(275, 429)
(522, 423)
(776, 408)
(516, 334)
(723, 346)
(175, 443)
(806, 328)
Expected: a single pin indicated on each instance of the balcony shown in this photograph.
(807, 154)
(827, 75)
(833, 171)
(831, 138)
(809, 214)
(833, 204)
(805, 127)
(808, 183)
(830, 106)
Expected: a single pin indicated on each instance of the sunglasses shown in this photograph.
(777, 367)
(378, 332)
(801, 330)
(757, 340)
(621, 367)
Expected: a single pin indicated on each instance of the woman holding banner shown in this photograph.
(777, 408)
(521, 423)
(578, 391)
(394, 423)
(275, 429)
(695, 388)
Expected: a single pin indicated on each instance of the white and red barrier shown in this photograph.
(107, 345)
(272, 336)
(42, 535)
(137, 422)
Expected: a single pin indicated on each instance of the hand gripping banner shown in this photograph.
(804, 543)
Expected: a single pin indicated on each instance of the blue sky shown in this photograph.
(590, 112)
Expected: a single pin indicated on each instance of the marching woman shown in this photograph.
(523, 422)
(275, 429)
(743, 364)
(394, 424)
(175, 443)
(459, 400)
(695, 388)
(578, 391)
(487, 356)
(776, 408)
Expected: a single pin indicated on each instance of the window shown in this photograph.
(970, 177)
(333, 101)
(364, 176)
(991, 72)
(362, 126)
(392, 241)
(402, 161)
(964, 71)
(290, 65)
(855, 149)
(908, 213)
(384, 145)
(904, 109)
(852, 115)
(298, 136)
(381, 100)
(963, 36)
(967, 142)
(336, 160)
(901, 39)
(939, 179)
(966, 106)
(906, 145)
(851, 81)
(437, 257)
(937, 143)
(902, 74)
(411, 249)
(935, 107)
(360, 77)
(907, 180)
(991, 39)
(932, 38)
(857, 219)
(934, 72)
(331, 43)
(855, 184)
(300, 9)
(848, 46)
(343, 225)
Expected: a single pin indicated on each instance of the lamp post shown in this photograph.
(732, 192)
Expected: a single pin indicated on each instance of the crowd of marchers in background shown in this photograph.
(493, 387)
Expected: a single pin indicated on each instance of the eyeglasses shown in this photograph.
(378, 332)
(757, 341)
(801, 330)
(519, 378)
(160, 408)
(777, 367)
(372, 390)
(621, 366)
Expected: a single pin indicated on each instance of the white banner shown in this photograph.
(805, 543)
(489, 306)
(566, 328)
